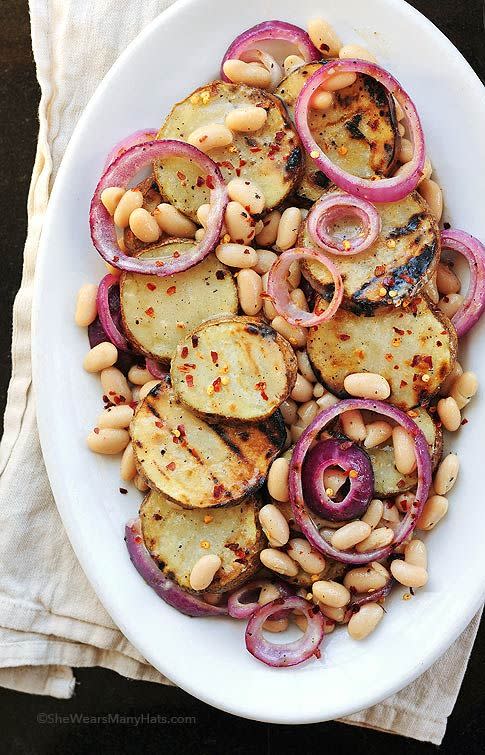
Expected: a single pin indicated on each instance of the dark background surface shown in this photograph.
(100, 692)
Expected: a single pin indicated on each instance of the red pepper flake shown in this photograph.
(185, 352)
(181, 429)
(172, 466)
(96, 430)
(133, 404)
(379, 270)
(181, 176)
(279, 136)
(200, 182)
(159, 424)
(464, 421)
(189, 381)
(195, 342)
(439, 343)
(217, 384)
(176, 255)
(171, 290)
(209, 182)
(255, 149)
(242, 163)
(218, 491)
(194, 453)
(407, 278)
(151, 287)
(186, 367)
(227, 164)
(398, 331)
(150, 312)
(214, 356)
(123, 491)
(402, 384)
(389, 357)
(159, 263)
(261, 387)
(238, 172)
(344, 336)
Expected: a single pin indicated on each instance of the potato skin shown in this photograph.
(417, 339)
(271, 157)
(176, 537)
(227, 331)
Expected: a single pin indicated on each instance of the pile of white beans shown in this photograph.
(251, 239)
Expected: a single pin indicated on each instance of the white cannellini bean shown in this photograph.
(106, 440)
(324, 37)
(146, 388)
(239, 223)
(362, 623)
(289, 411)
(278, 562)
(390, 513)
(307, 557)
(210, 136)
(350, 534)
(130, 201)
(427, 170)
(448, 383)
(268, 593)
(267, 236)
(373, 515)
(353, 425)
(367, 385)
(450, 304)
(249, 194)
(274, 525)
(278, 479)
(399, 111)
(404, 451)
(288, 228)
(291, 63)
(356, 51)
(433, 511)
(318, 390)
(293, 276)
(304, 366)
(406, 151)
(139, 375)
(302, 390)
(276, 625)
(432, 194)
(293, 333)
(378, 538)
(404, 501)
(339, 81)
(204, 571)
(331, 593)
(266, 259)
(296, 431)
(321, 100)
(128, 464)
(449, 413)
(116, 416)
(333, 479)
(141, 484)
(327, 400)
(408, 574)
(366, 578)
(446, 474)
(252, 74)
(86, 306)
(199, 234)
(376, 433)
(110, 197)
(236, 255)
(115, 386)
(335, 614)
(447, 281)
(247, 120)
(431, 290)
(144, 226)
(415, 553)
(299, 299)
(249, 289)
(307, 412)
(100, 356)
(401, 129)
(175, 223)
(464, 388)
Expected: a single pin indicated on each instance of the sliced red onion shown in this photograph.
(331, 208)
(288, 653)
(361, 599)
(110, 327)
(248, 42)
(239, 608)
(120, 172)
(350, 458)
(380, 190)
(97, 334)
(137, 137)
(155, 369)
(303, 517)
(280, 296)
(474, 251)
(165, 588)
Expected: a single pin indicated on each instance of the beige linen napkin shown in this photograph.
(50, 618)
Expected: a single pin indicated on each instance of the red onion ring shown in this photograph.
(154, 368)
(240, 610)
(474, 251)
(288, 653)
(279, 294)
(120, 172)
(300, 512)
(330, 208)
(361, 599)
(270, 30)
(165, 588)
(137, 137)
(115, 336)
(385, 189)
(337, 453)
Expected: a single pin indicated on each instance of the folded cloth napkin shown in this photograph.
(50, 618)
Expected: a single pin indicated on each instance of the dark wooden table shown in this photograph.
(197, 728)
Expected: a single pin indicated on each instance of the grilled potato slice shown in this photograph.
(199, 465)
(236, 369)
(151, 200)
(394, 269)
(175, 538)
(158, 312)
(402, 344)
(387, 480)
(358, 132)
(271, 157)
